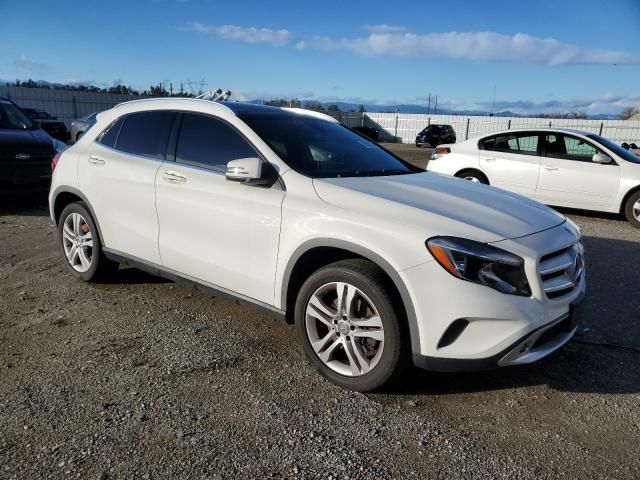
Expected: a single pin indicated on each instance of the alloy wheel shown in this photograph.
(344, 328)
(472, 179)
(636, 210)
(77, 242)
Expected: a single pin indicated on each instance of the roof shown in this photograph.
(541, 129)
(236, 108)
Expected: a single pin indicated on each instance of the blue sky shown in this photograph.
(542, 55)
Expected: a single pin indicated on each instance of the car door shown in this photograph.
(118, 177)
(569, 177)
(511, 161)
(221, 232)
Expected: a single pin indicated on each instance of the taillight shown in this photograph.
(55, 160)
(439, 152)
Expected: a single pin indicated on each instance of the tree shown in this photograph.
(333, 108)
(629, 112)
(361, 109)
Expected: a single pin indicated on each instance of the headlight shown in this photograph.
(480, 263)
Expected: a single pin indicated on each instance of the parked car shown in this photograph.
(370, 132)
(632, 147)
(434, 135)
(81, 125)
(26, 152)
(378, 263)
(50, 124)
(562, 167)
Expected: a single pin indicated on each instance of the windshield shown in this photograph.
(13, 118)
(322, 149)
(615, 148)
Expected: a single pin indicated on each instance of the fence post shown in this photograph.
(74, 103)
(601, 127)
(509, 125)
(362, 119)
(395, 136)
(428, 121)
(466, 135)
(549, 124)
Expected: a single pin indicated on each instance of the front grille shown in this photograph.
(562, 271)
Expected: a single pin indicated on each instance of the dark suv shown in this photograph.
(26, 152)
(435, 135)
(50, 124)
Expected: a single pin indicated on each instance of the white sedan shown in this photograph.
(562, 167)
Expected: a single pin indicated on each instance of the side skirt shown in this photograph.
(163, 272)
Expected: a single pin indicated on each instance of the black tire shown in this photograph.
(629, 209)
(371, 280)
(474, 176)
(99, 266)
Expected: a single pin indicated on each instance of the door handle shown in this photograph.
(173, 177)
(489, 159)
(548, 168)
(93, 160)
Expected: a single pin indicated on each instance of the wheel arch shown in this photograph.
(475, 170)
(63, 196)
(626, 196)
(314, 254)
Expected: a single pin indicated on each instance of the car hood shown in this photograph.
(36, 143)
(441, 205)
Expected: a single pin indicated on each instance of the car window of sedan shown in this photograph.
(519, 143)
(568, 148)
(207, 142)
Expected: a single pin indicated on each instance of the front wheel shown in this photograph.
(632, 209)
(349, 326)
(80, 244)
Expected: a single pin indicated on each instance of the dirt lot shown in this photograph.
(141, 378)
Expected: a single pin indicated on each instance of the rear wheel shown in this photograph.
(349, 327)
(632, 209)
(80, 244)
(473, 176)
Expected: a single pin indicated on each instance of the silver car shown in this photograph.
(81, 125)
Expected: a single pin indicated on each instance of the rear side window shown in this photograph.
(146, 133)
(522, 143)
(109, 136)
(208, 142)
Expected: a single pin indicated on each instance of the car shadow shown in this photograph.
(590, 214)
(604, 355)
(31, 204)
(132, 276)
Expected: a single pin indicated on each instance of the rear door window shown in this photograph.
(519, 143)
(207, 142)
(146, 133)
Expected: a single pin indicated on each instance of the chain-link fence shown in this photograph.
(403, 127)
(399, 127)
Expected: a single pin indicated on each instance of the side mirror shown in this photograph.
(601, 158)
(244, 170)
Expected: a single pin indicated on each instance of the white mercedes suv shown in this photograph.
(378, 263)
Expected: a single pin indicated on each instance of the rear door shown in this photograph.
(118, 177)
(569, 177)
(512, 161)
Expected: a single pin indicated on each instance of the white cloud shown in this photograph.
(276, 38)
(389, 40)
(384, 28)
(477, 46)
(31, 65)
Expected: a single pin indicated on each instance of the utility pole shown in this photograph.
(171, 89)
(435, 109)
(429, 106)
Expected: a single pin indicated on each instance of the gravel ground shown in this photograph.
(142, 378)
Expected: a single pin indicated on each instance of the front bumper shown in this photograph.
(466, 326)
(532, 347)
